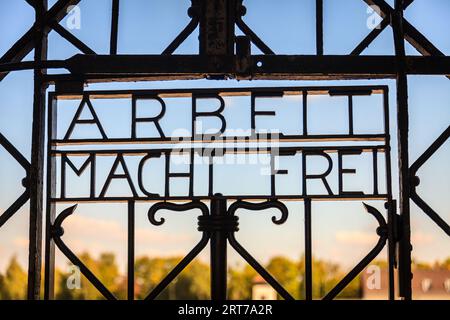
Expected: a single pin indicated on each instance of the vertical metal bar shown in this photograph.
(211, 176)
(49, 267)
(391, 204)
(405, 247)
(114, 26)
(218, 249)
(131, 223)
(308, 250)
(305, 113)
(392, 223)
(350, 114)
(319, 27)
(272, 175)
(167, 175)
(217, 25)
(37, 157)
(375, 170)
(243, 56)
(191, 173)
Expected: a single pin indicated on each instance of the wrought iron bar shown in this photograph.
(405, 247)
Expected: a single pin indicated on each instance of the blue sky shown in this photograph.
(342, 231)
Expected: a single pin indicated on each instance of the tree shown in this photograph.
(421, 265)
(14, 282)
(445, 264)
(240, 282)
(191, 284)
(150, 271)
(105, 269)
(287, 273)
(109, 275)
(3, 293)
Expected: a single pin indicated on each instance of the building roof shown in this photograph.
(426, 284)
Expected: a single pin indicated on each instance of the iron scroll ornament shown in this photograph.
(192, 254)
(208, 223)
(229, 224)
(57, 231)
(245, 254)
(382, 232)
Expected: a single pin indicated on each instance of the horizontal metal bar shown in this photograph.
(243, 91)
(341, 67)
(346, 197)
(31, 65)
(226, 149)
(101, 68)
(225, 139)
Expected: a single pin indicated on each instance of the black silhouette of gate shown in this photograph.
(222, 55)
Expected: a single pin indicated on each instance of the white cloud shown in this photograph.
(365, 238)
(95, 235)
(82, 227)
(20, 242)
(419, 237)
(356, 237)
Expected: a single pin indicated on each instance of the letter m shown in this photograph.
(90, 161)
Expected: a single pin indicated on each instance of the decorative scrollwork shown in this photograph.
(382, 231)
(56, 229)
(191, 255)
(174, 207)
(57, 232)
(262, 206)
(245, 254)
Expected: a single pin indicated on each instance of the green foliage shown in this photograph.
(13, 285)
(107, 271)
(287, 273)
(150, 271)
(193, 283)
(445, 264)
(240, 281)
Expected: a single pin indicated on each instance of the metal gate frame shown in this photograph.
(218, 222)
(218, 59)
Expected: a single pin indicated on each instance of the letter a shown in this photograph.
(76, 119)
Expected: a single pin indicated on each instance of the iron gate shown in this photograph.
(222, 55)
(218, 223)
